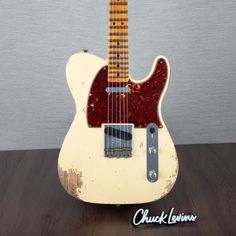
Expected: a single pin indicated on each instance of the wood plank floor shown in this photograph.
(32, 201)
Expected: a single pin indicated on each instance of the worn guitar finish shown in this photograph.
(118, 149)
(142, 100)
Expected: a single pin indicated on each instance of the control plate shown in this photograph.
(152, 152)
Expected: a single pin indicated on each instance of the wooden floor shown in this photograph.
(32, 201)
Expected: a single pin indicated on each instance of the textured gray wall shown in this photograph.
(37, 37)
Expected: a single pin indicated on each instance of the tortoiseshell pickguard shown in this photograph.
(138, 107)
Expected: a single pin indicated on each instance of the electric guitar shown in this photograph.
(118, 149)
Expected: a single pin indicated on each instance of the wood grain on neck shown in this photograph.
(118, 61)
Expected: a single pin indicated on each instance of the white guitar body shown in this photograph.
(84, 171)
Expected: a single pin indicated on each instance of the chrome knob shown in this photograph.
(152, 150)
(152, 175)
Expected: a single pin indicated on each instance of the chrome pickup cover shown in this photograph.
(118, 140)
(118, 90)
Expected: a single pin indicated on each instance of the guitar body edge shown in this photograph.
(84, 171)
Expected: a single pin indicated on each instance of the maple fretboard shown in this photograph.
(118, 61)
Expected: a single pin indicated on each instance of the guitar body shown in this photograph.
(84, 171)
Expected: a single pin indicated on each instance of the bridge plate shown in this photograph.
(118, 140)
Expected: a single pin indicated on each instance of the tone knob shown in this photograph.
(152, 175)
(152, 150)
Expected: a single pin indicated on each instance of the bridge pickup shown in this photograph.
(118, 141)
(118, 133)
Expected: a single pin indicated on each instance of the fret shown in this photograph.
(117, 72)
(123, 80)
(118, 34)
(118, 58)
(118, 78)
(121, 77)
(121, 66)
(121, 45)
(118, 75)
(118, 27)
(118, 52)
(118, 68)
(118, 40)
(119, 12)
(118, 3)
(114, 76)
(119, 19)
(117, 47)
(120, 63)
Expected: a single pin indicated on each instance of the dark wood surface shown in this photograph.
(32, 201)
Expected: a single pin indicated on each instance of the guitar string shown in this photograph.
(117, 75)
(126, 98)
(123, 76)
(108, 94)
(126, 77)
(110, 147)
(112, 83)
(121, 80)
(116, 144)
(127, 71)
(107, 139)
(117, 94)
(124, 71)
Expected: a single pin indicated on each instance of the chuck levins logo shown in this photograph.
(142, 217)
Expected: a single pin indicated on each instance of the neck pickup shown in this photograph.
(118, 90)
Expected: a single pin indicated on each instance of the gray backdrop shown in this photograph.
(37, 37)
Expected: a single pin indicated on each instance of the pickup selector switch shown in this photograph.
(152, 130)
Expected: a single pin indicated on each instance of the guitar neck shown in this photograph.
(118, 63)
